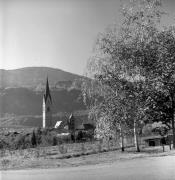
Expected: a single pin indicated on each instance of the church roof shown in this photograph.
(47, 92)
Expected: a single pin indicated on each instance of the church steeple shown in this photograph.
(47, 107)
(47, 92)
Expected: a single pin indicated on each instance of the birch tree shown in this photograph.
(133, 58)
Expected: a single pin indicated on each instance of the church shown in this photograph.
(74, 125)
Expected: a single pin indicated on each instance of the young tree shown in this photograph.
(106, 110)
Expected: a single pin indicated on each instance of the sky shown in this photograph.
(55, 33)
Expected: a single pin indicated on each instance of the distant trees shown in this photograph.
(131, 64)
(30, 139)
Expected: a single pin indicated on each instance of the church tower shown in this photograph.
(47, 107)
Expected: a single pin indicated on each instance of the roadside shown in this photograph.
(152, 168)
(52, 160)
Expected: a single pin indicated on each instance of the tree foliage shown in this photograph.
(133, 70)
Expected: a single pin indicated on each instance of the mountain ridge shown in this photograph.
(32, 76)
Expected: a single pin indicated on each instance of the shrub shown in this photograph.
(38, 136)
(33, 139)
(5, 163)
(83, 149)
(55, 142)
(2, 152)
(3, 144)
(63, 149)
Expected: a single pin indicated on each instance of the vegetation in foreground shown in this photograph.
(72, 155)
(132, 74)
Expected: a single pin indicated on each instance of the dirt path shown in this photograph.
(152, 168)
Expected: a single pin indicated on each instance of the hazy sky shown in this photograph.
(54, 33)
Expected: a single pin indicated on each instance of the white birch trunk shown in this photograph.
(121, 139)
(136, 138)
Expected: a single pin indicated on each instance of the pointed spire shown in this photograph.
(47, 91)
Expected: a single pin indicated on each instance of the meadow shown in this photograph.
(74, 154)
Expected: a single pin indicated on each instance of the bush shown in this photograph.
(38, 134)
(63, 139)
(55, 142)
(3, 144)
(62, 149)
(5, 163)
(19, 142)
(33, 139)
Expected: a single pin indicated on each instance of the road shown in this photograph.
(152, 168)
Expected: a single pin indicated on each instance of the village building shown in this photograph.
(157, 140)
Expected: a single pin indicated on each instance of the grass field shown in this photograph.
(77, 154)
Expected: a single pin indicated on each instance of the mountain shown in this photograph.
(21, 94)
(23, 101)
(31, 77)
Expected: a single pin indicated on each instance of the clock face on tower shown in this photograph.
(48, 109)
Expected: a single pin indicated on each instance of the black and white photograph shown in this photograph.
(87, 89)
